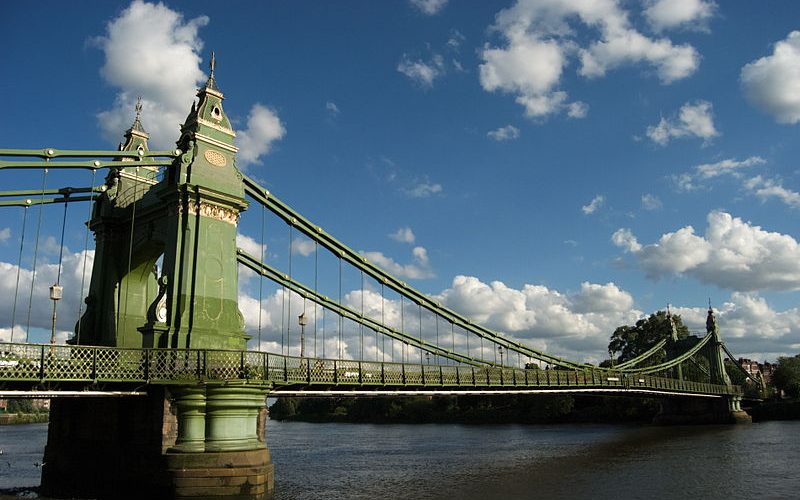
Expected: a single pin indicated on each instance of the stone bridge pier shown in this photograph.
(697, 410)
(182, 442)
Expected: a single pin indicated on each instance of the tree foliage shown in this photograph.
(787, 376)
(632, 341)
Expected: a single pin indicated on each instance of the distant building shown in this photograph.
(41, 404)
(756, 369)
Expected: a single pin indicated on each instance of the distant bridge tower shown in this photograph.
(716, 355)
(727, 409)
(188, 441)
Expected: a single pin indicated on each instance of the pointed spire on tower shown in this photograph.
(136, 137)
(211, 83)
(137, 121)
(672, 327)
(207, 114)
(711, 320)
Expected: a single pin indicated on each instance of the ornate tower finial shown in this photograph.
(212, 66)
(136, 128)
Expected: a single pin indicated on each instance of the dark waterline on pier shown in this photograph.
(363, 461)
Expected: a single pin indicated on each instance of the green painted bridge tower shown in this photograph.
(727, 409)
(165, 276)
(165, 273)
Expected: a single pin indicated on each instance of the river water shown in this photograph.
(364, 461)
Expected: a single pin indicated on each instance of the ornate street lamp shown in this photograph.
(302, 321)
(56, 292)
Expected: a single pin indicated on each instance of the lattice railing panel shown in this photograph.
(393, 373)
(35, 362)
(224, 365)
(323, 371)
(255, 364)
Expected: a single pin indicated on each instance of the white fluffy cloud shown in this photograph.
(429, 7)
(151, 51)
(771, 82)
(424, 189)
(594, 205)
(5, 234)
(423, 73)
(250, 245)
(692, 181)
(576, 324)
(765, 188)
(303, 246)
(625, 239)
(540, 41)
(403, 235)
(651, 202)
(41, 305)
(668, 14)
(732, 254)
(332, 108)
(419, 269)
(263, 128)
(507, 133)
(693, 120)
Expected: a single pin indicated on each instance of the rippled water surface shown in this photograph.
(363, 461)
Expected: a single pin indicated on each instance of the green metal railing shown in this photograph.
(31, 364)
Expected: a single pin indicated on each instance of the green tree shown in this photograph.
(632, 341)
(283, 408)
(20, 406)
(787, 376)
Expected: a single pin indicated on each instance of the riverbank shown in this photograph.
(510, 409)
(23, 418)
(776, 410)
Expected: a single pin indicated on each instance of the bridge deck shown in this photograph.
(69, 370)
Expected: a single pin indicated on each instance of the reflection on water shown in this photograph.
(23, 447)
(364, 461)
(589, 461)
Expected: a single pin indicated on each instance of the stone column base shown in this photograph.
(699, 411)
(125, 448)
(244, 475)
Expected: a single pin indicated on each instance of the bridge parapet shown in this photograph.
(70, 368)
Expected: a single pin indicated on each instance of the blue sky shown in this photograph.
(551, 168)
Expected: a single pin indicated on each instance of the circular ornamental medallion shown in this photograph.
(215, 158)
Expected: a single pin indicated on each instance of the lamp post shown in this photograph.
(303, 321)
(500, 349)
(56, 291)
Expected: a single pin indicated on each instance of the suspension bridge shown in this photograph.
(160, 388)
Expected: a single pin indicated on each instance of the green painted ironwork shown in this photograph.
(75, 153)
(675, 361)
(316, 233)
(645, 355)
(282, 279)
(27, 365)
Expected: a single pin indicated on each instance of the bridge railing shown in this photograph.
(43, 363)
